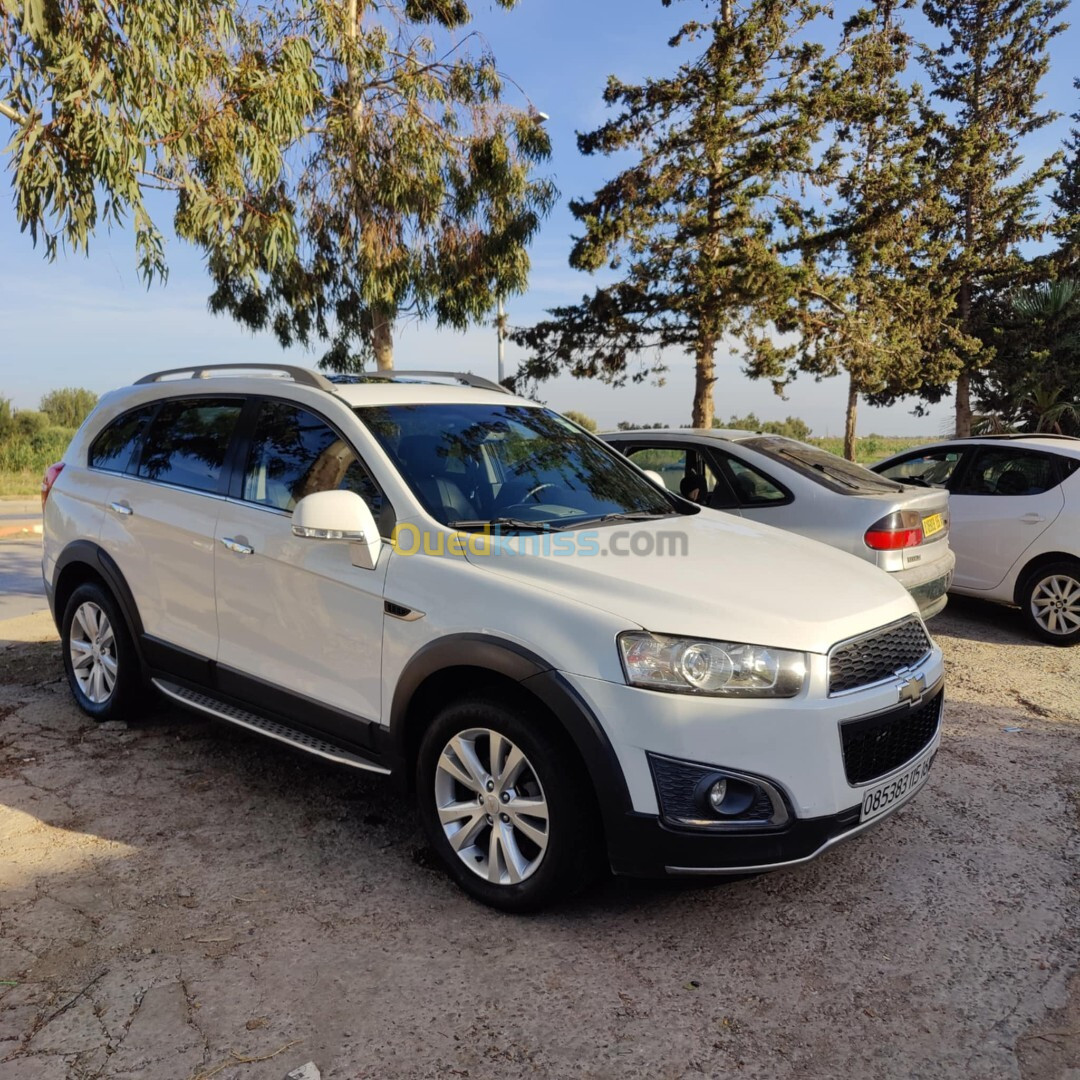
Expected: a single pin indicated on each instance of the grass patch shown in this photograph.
(20, 483)
(871, 448)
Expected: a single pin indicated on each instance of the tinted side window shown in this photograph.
(753, 487)
(187, 442)
(294, 453)
(932, 469)
(114, 447)
(1008, 471)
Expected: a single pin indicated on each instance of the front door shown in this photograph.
(1003, 501)
(296, 614)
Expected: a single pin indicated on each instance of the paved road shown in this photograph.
(21, 588)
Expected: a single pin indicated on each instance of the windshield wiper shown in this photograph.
(633, 515)
(506, 523)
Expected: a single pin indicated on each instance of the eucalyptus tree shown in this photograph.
(340, 162)
(695, 229)
(107, 101)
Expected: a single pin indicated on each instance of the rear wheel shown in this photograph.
(1050, 602)
(505, 805)
(99, 658)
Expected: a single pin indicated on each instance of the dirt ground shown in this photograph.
(179, 900)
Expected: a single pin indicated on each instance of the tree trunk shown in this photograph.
(849, 419)
(705, 379)
(963, 405)
(382, 337)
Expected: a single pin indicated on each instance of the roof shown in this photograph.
(729, 434)
(1057, 444)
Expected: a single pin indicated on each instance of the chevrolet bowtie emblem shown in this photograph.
(913, 689)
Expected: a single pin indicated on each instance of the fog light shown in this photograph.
(717, 794)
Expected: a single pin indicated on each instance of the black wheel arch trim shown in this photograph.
(536, 676)
(87, 553)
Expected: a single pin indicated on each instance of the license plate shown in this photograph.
(879, 799)
(932, 524)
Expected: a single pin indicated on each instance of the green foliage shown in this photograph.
(28, 441)
(873, 296)
(68, 407)
(1032, 382)
(338, 161)
(1066, 199)
(410, 193)
(110, 100)
(581, 419)
(698, 225)
(792, 426)
(871, 448)
(988, 68)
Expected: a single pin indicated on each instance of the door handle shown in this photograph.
(237, 546)
(1032, 519)
(120, 508)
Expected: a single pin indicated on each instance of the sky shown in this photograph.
(89, 321)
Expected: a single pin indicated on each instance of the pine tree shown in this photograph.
(870, 297)
(987, 71)
(1067, 202)
(699, 226)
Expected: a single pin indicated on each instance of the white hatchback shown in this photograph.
(1015, 507)
(567, 667)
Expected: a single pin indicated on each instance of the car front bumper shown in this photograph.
(793, 747)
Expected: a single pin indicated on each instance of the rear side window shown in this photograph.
(187, 442)
(1006, 470)
(931, 469)
(114, 447)
(296, 453)
(753, 488)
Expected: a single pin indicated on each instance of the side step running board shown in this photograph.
(242, 718)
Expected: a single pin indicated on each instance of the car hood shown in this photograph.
(735, 580)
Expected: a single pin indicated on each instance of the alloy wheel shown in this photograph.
(92, 647)
(491, 806)
(1055, 604)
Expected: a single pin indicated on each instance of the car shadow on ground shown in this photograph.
(980, 620)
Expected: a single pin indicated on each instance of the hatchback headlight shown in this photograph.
(719, 668)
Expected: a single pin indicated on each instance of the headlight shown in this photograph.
(720, 668)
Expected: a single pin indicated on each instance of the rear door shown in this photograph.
(295, 614)
(1001, 502)
(160, 517)
(685, 469)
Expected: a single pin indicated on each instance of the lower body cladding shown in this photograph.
(742, 786)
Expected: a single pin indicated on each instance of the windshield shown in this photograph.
(511, 465)
(820, 465)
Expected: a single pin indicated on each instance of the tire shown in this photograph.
(1050, 602)
(537, 860)
(102, 666)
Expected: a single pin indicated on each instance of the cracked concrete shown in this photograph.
(177, 896)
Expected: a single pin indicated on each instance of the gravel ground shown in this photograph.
(180, 900)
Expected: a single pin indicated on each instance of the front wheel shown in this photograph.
(506, 805)
(1050, 603)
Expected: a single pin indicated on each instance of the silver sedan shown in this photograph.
(779, 481)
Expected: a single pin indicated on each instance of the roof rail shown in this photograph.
(301, 375)
(477, 382)
(1028, 435)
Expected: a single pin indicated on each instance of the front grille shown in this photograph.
(875, 657)
(879, 744)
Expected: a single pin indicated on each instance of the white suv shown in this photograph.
(463, 590)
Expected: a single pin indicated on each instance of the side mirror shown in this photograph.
(656, 478)
(339, 515)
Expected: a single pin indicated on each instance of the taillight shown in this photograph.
(51, 473)
(902, 529)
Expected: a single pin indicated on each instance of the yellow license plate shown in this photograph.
(932, 524)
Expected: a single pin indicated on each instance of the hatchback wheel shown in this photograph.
(505, 805)
(1050, 602)
(99, 658)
